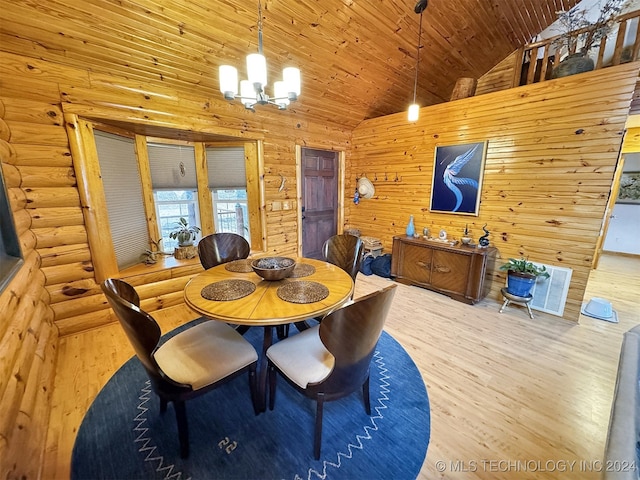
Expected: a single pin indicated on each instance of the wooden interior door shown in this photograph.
(319, 194)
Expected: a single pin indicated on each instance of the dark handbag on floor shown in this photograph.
(381, 265)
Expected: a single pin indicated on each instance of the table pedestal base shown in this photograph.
(508, 298)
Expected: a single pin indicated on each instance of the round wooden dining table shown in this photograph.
(213, 293)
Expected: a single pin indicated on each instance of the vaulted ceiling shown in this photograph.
(357, 57)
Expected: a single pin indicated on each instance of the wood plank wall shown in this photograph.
(552, 152)
(58, 269)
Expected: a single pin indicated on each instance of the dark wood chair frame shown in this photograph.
(144, 334)
(224, 247)
(351, 334)
(347, 252)
(218, 248)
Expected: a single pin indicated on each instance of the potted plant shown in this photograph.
(522, 275)
(580, 33)
(184, 233)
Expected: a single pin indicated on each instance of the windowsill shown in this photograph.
(165, 262)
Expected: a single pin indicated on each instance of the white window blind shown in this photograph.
(225, 167)
(123, 192)
(172, 167)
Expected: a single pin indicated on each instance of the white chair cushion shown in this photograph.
(303, 358)
(204, 354)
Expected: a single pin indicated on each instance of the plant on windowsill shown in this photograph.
(522, 276)
(184, 233)
(580, 34)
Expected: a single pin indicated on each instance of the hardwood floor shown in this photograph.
(510, 397)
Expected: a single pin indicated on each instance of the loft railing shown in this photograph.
(547, 55)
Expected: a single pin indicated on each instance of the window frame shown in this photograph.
(85, 160)
(194, 202)
(11, 257)
(244, 203)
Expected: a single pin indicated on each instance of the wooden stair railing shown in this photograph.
(543, 67)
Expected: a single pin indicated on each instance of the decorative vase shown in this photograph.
(576, 63)
(520, 284)
(411, 229)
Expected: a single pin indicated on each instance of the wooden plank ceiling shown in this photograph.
(357, 57)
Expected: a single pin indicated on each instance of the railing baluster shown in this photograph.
(617, 53)
(636, 43)
(533, 65)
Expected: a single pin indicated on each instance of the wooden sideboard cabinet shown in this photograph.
(458, 271)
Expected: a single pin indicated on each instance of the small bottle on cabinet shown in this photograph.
(411, 229)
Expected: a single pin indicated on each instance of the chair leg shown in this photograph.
(272, 386)
(317, 437)
(183, 428)
(305, 324)
(365, 394)
(241, 329)
(302, 325)
(253, 387)
(282, 331)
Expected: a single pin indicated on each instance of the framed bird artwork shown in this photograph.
(457, 178)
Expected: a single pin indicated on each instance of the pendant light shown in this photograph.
(414, 108)
(252, 90)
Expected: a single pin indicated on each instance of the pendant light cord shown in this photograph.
(260, 27)
(415, 84)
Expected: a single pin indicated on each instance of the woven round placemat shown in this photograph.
(302, 270)
(303, 291)
(239, 266)
(228, 290)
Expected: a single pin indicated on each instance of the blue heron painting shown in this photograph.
(457, 178)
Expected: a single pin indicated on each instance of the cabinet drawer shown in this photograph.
(416, 263)
(450, 271)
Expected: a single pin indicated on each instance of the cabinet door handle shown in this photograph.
(442, 269)
(424, 265)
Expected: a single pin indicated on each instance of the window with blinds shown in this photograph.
(123, 193)
(228, 184)
(175, 188)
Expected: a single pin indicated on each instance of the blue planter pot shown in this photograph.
(519, 284)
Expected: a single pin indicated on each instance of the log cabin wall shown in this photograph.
(552, 151)
(28, 339)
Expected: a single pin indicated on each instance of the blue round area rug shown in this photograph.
(124, 436)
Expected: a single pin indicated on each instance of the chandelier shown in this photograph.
(414, 108)
(252, 90)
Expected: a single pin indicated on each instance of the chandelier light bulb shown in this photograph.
(281, 94)
(291, 78)
(257, 69)
(228, 76)
(247, 93)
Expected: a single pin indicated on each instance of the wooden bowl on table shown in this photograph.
(273, 268)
